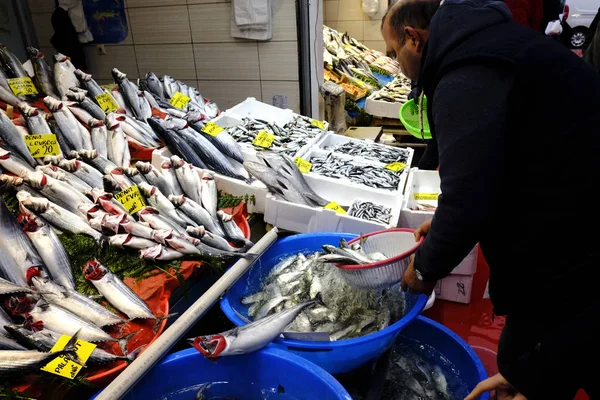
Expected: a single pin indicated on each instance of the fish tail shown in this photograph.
(133, 355)
(319, 299)
(125, 339)
(70, 351)
(249, 256)
(161, 319)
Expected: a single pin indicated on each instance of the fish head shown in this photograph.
(198, 231)
(59, 57)
(176, 200)
(194, 116)
(33, 272)
(143, 167)
(207, 176)
(93, 270)
(95, 123)
(161, 235)
(130, 172)
(87, 154)
(82, 76)
(209, 346)
(18, 305)
(34, 53)
(118, 75)
(177, 162)
(110, 185)
(166, 164)
(34, 326)
(146, 189)
(30, 225)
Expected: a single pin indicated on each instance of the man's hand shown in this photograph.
(423, 230)
(412, 283)
(504, 390)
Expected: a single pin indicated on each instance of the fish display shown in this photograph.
(371, 212)
(347, 311)
(333, 166)
(396, 91)
(371, 151)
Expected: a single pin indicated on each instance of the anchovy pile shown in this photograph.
(346, 312)
(288, 140)
(369, 175)
(371, 212)
(381, 153)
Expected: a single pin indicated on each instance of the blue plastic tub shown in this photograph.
(288, 377)
(334, 357)
(463, 359)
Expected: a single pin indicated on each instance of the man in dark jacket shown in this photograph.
(514, 158)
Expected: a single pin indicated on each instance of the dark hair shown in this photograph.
(414, 13)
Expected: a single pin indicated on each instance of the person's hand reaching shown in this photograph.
(411, 282)
(504, 390)
(423, 230)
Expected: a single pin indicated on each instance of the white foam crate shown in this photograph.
(227, 184)
(421, 181)
(332, 139)
(383, 109)
(252, 108)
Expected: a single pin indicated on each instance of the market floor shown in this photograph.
(474, 322)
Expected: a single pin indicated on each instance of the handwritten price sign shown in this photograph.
(212, 129)
(263, 139)
(131, 199)
(22, 86)
(42, 145)
(179, 100)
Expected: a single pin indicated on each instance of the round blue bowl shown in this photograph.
(334, 357)
(180, 376)
(463, 359)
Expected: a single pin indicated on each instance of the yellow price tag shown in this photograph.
(131, 199)
(263, 139)
(335, 207)
(317, 123)
(42, 145)
(303, 165)
(212, 129)
(396, 166)
(107, 103)
(179, 100)
(426, 196)
(64, 367)
(22, 86)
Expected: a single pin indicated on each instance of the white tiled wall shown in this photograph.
(190, 40)
(347, 16)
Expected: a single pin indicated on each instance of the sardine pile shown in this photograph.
(423, 207)
(347, 311)
(371, 212)
(288, 140)
(371, 151)
(396, 91)
(333, 166)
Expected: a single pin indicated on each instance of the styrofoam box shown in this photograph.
(227, 184)
(252, 108)
(380, 108)
(332, 139)
(455, 288)
(419, 181)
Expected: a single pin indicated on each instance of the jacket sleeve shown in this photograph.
(429, 159)
(469, 113)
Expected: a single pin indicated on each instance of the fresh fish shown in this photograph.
(169, 175)
(118, 149)
(36, 123)
(45, 339)
(8, 288)
(60, 320)
(134, 130)
(81, 114)
(14, 140)
(90, 84)
(14, 164)
(188, 178)
(117, 293)
(57, 216)
(139, 230)
(4, 320)
(158, 200)
(109, 203)
(118, 96)
(371, 212)
(153, 218)
(7, 96)
(198, 214)
(170, 86)
(64, 75)
(152, 101)
(248, 338)
(58, 192)
(43, 74)
(122, 180)
(177, 144)
(210, 239)
(7, 343)
(14, 363)
(155, 85)
(209, 194)
(83, 171)
(135, 176)
(223, 141)
(151, 175)
(371, 151)
(97, 161)
(52, 252)
(126, 240)
(70, 128)
(87, 104)
(161, 253)
(99, 136)
(17, 246)
(232, 230)
(145, 108)
(198, 248)
(65, 176)
(129, 92)
(11, 64)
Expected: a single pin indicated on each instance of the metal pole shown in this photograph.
(140, 366)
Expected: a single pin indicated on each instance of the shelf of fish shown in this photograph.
(387, 101)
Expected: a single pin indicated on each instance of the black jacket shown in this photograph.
(516, 119)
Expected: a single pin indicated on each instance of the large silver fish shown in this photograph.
(117, 293)
(197, 213)
(126, 240)
(36, 123)
(152, 217)
(14, 164)
(65, 176)
(43, 74)
(211, 239)
(232, 230)
(223, 141)
(15, 141)
(11, 64)
(86, 104)
(209, 194)
(129, 92)
(133, 129)
(155, 85)
(70, 128)
(118, 149)
(158, 200)
(151, 174)
(9, 288)
(97, 161)
(168, 172)
(99, 136)
(90, 84)
(52, 252)
(76, 303)
(188, 178)
(251, 337)
(160, 252)
(64, 75)
(7, 96)
(176, 143)
(58, 192)
(83, 171)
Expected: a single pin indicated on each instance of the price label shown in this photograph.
(396, 166)
(263, 139)
(335, 207)
(212, 129)
(22, 86)
(303, 165)
(426, 196)
(131, 199)
(179, 100)
(317, 123)
(62, 365)
(107, 103)
(42, 145)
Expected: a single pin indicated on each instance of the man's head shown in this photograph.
(405, 29)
